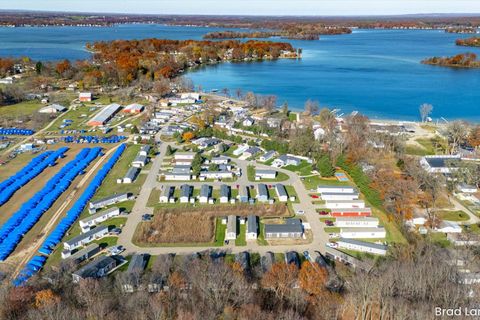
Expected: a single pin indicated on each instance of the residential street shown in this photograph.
(140, 208)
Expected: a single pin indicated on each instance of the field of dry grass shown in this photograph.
(197, 225)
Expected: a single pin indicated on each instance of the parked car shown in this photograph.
(323, 213)
(329, 223)
(115, 250)
(332, 244)
(300, 212)
(115, 231)
(147, 217)
(314, 196)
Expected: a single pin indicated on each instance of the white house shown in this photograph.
(281, 192)
(439, 164)
(344, 204)
(190, 95)
(167, 194)
(363, 233)
(216, 174)
(362, 246)
(286, 160)
(231, 232)
(252, 228)
(268, 156)
(356, 222)
(335, 189)
(185, 193)
(247, 122)
(131, 175)
(220, 160)
(144, 150)
(140, 161)
(240, 150)
(86, 238)
(333, 196)
(53, 108)
(225, 193)
(184, 155)
(465, 188)
(170, 176)
(85, 96)
(449, 227)
(93, 220)
(265, 174)
(205, 194)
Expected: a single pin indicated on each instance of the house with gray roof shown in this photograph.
(268, 156)
(281, 192)
(86, 238)
(91, 221)
(83, 254)
(252, 227)
(185, 193)
(225, 193)
(292, 228)
(168, 194)
(265, 174)
(105, 202)
(362, 246)
(205, 193)
(286, 160)
(231, 232)
(131, 175)
(262, 193)
(140, 161)
(99, 268)
(243, 194)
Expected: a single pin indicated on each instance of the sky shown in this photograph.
(250, 7)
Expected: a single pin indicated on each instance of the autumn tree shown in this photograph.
(187, 136)
(457, 133)
(63, 68)
(46, 298)
(281, 279)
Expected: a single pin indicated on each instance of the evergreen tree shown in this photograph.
(324, 166)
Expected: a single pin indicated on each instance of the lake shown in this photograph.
(376, 72)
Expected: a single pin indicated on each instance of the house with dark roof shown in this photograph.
(252, 227)
(168, 194)
(185, 193)
(225, 193)
(205, 193)
(281, 192)
(292, 228)
(98, 268)
(85, 238)
(262, 193)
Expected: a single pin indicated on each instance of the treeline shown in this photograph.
(127, 60)
(408, 285)
(469, 42)
(463, 60)
(293, 31)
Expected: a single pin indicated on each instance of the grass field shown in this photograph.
(314, 181)
(24, 108)
(303, 169)
(453, 215)
(241, 237)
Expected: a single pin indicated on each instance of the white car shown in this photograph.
(332, 244)
(300, 212)
(115, 250)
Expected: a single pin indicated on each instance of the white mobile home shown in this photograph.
(97, 218)
(225, 193)
(281, 192)
(335, 189)
(363, 233)
(178, 176)
(356, 222)
(231, 232)
(362, 246)
(205, 193)
(333, 196)
(344, 204)
(252, 227)
(265, 174)
(167, 194)
(86, 238)
(185, 193)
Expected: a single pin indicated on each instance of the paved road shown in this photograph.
(305, 204)
(460, 207)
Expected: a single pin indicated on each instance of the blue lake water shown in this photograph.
(376, 72)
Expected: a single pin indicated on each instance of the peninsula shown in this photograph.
(463, 60)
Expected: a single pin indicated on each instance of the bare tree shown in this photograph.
(457, 132)
(425, 110)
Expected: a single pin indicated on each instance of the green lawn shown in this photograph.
(303, 169)
(261, 234)
(453, 215)
(21, 109)
(332, 229)
(314, 181)
(439, 238)
(241, 238)
(154, 198)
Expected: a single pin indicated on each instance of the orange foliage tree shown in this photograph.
(281, 278)
(187, 136)
(45, 298)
